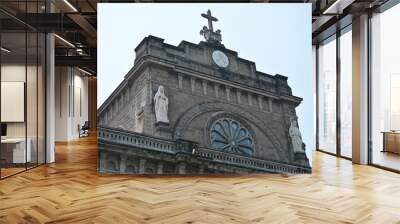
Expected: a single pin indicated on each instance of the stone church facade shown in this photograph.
(198, 109)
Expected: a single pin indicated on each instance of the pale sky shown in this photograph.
(277, 37)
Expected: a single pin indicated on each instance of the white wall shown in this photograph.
(80, 110)
(16, 73)
(71, 102)
(33, 126)
(61, 103)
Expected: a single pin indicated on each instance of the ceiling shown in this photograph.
(329, 16)
(75, 22)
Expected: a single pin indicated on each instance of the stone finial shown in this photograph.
(208, 32)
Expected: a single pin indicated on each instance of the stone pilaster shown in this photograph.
(180, 81)
(103, 160)
(228, 90)
(122, 164)
(204, 82)
(160, 168)
(142, 165)
(216, 89)
(193, 84)
(201, 169)
(182, 168)
(259, 98)
(270, 104)
(249, 98)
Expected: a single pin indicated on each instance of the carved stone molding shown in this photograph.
(185, 120)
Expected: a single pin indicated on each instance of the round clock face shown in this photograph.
(220, 59)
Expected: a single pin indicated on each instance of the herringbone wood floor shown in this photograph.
(70, 191)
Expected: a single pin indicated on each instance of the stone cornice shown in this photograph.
(144, 59)
(204, 76)
(136, 141)
(147, 60)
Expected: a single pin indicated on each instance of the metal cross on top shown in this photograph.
(210, 19)
(208, 33)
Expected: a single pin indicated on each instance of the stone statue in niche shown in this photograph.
(295, 136)
(161, 106)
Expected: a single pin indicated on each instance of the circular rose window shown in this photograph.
(229, 135)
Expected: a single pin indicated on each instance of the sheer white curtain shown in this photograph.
(346, 94)
(327, 96)
(385, 78)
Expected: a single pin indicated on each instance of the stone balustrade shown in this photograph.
(133, 139)
(137, 140)
(252, 163)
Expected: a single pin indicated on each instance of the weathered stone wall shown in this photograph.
(130, 105)
(198, 93)
(201, 103)
(198, 57)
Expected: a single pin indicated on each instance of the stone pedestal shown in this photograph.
(163, 130)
